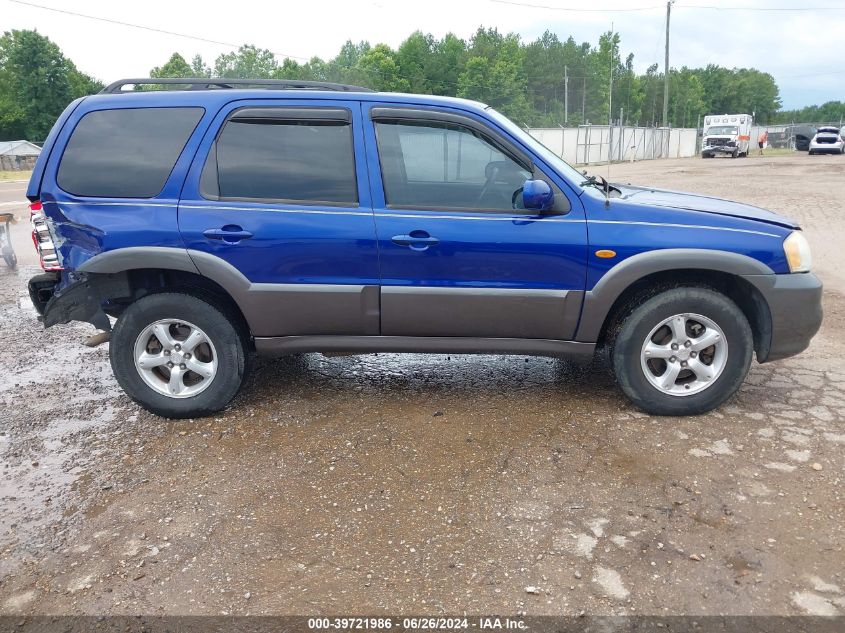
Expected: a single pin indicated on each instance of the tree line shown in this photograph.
(546, 82)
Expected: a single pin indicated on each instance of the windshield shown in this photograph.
(556, 162)
(722, 130)
(828, 130)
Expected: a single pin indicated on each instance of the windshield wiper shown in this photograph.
(596, 181)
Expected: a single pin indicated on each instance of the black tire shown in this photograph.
(628, 344)
(224, 331)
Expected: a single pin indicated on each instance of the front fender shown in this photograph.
(599, 300)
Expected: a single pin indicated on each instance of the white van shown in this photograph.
(728, 134)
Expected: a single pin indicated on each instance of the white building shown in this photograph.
(18, 155)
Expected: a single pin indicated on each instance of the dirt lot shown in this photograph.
(414, 484)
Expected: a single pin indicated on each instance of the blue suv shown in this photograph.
(212, 219)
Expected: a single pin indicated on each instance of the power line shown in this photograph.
(575, 10)
(144, 28)
(715, 8)
(530, 5)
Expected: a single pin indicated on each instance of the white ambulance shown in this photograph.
(728, 134)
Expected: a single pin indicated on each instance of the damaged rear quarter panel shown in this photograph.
(85, 226)
(83, 229)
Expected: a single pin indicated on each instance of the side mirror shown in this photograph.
(537, 195)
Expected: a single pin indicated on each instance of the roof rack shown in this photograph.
(224, 83)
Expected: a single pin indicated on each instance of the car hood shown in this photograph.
(694, 202)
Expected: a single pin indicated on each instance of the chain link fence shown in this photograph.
(590, 144)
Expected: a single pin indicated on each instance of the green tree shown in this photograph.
(739, 90)
(601, 60)
(176, 66)
(199, 67)
(249, 62)
(448, 57)
(415, 56)
(380, 64)
(830, 112)
(36, 83)
(545, 59)
(686, 98)
(494, 74)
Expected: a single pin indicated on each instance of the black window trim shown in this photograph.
(58, 168)
(393, 114)
(385, 114)
(270, 113)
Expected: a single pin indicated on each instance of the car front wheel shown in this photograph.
(178, 356)
(683, 352)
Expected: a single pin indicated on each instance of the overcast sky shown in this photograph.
(801, 49)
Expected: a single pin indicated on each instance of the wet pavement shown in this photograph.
(433, 484)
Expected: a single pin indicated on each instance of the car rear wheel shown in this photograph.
(178, 356)
(683, 352)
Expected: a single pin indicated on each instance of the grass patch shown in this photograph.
(15, 175)
(773, 151)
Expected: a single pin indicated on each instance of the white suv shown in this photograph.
(827, 140)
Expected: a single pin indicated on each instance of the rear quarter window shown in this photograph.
(125, 153)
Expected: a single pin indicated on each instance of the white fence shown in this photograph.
(597, 143)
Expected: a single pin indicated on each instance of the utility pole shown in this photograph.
(666, 68)
(565, 95)
(584, 102)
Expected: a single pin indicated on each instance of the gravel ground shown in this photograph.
(434, 484)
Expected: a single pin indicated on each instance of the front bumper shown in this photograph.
(720, 149)
(795, 306)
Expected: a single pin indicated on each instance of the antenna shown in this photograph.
(609, 124)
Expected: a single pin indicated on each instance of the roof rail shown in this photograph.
(218, 83)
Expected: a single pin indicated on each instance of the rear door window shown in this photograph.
(296, 155)
(125, 153)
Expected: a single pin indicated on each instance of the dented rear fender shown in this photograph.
(80, 300)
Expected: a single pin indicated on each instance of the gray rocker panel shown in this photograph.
(283, 345)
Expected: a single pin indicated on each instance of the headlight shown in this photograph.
(797, 251)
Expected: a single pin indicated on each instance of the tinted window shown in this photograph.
(297, 160)
(125, 153)
(434, 164)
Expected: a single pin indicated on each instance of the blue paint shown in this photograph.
(293, 243)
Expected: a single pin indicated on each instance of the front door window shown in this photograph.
(440, 165)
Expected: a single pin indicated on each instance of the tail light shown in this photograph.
(42, 239)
